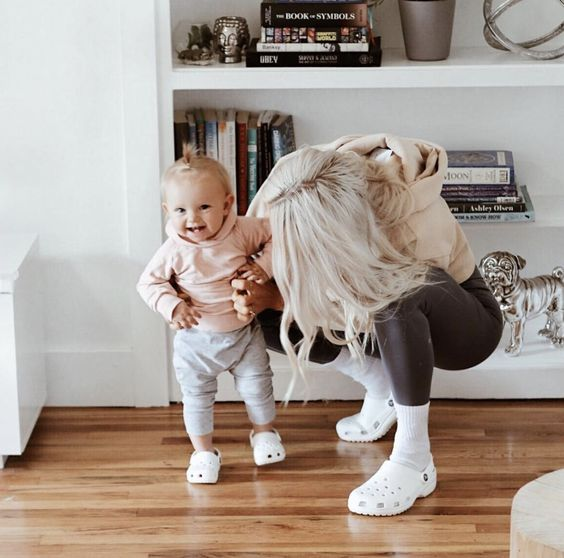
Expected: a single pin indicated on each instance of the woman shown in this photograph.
(364, 245)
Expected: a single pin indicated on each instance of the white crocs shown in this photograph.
(370, 424)
(393, 489)
(204, 467)
(267, 447)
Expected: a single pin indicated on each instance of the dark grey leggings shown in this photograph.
(445, 324)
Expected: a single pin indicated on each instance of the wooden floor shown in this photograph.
(110, 483)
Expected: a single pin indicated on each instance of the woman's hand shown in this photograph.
(250, 298)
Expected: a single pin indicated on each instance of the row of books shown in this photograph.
(315, 34)
(248, 144)
(481, 185)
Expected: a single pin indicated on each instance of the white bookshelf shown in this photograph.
(477, 98)
(466, 67)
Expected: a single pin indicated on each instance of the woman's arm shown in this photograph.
(251, 298)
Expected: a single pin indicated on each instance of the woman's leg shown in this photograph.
(377, 414)
(444, 324)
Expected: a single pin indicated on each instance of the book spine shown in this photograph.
(252, 179)
(482, 199)
(312, 47)
(318, 14)
(490, 191)
(277, 150)
(181, 133)
(486, 207)
(211, 140)
(313, 60)
(192, 128)
(266, 150)
(309, 1)
(480, 175)
(312, 35)
(222, 138)
(242, 168)
(231, 149)
(523, 216)
(200, 131)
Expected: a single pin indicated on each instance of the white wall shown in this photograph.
(63, 174)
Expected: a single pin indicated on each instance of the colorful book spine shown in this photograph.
(312, 35)
(317, 14)
(231, 146)
(242, 122)
(222, 137)
(252, 179)
(283, 137)
(479, 189)
(480, 167)
(312, 47)
(526, 215)
(210, 117)
(371, 58)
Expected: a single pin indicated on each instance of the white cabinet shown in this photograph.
(22, 370)
(479, 98)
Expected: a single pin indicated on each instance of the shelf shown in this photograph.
(466, 67)
(548, 213)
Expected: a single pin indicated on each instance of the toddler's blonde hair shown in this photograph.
(332, 259)
(191, 164)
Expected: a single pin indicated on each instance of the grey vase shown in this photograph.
(427, 28)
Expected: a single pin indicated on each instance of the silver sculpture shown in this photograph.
(497, 39)
(231, 35)
(522, 299)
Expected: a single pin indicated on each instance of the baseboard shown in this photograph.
(519, 382)
(107, 378)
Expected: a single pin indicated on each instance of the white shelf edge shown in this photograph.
(466, 67)
(548, 213)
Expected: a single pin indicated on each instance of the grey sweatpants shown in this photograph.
(199, 358)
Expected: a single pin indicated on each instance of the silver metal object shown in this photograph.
(231, 35)
(497, 39)
(522, 299)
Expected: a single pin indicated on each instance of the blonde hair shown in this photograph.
(191, 164)
(332, 259)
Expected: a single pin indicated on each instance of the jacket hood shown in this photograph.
(223, 232)
(420, 163)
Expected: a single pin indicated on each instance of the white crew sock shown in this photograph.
(411, 443)
(369, 373)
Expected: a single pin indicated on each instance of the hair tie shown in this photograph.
(187, 164)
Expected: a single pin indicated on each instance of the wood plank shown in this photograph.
(109, 482)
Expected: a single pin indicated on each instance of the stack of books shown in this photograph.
(481, 186)
(248, 144)
(323, 33)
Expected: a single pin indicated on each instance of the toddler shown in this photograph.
(188, 281)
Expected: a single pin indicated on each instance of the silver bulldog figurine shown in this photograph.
(522, 299)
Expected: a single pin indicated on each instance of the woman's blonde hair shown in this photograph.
(332, 259)
(191, 163)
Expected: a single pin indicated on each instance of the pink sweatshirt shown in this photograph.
(204, 271)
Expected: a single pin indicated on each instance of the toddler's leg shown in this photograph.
(199, 387)
(253, 380)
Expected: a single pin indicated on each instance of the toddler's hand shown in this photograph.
(184, 316)
(253, 272)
